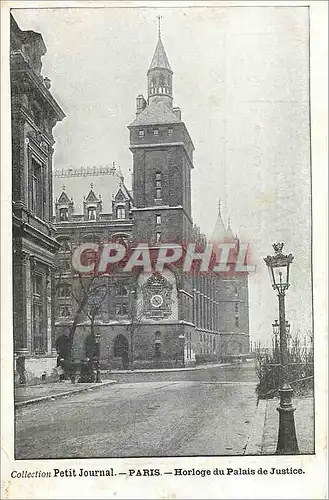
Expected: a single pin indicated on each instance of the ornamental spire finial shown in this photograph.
(159, 25)
(219, 206)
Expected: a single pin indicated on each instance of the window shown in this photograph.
(121, 212)
(158, 185)
(91, 213)
(158, 220)
(121, 309)
(170, 131)
(64, 311)
(64, 291)
(157, 344)
(155, 131)
(39, 320)
(236, 314)
(157, 347)
(36, 191)
(158, 237)
(65, 265)
(63, 214)
(141, 133)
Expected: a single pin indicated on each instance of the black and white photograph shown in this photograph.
(161, 279)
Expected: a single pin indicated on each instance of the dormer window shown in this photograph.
(121, 212)
(141, 133)
(91, 213)
(155, 131)
(63, 214)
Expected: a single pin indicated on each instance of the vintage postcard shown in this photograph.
(163, 237)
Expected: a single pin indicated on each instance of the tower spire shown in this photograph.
(159, 74)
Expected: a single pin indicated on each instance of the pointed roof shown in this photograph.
(156, 113)
(91, 198)
(64, 199)
(160, 59)
(219, 232)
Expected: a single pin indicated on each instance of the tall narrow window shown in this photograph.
(91, 213)
(63, 214)
(141, 133)
(158, 237)
(36, 191)
(155, 131)
(170, 131)
(38, 315)
(121, 212)
(158, 220)
(236, 314)
(158, 186)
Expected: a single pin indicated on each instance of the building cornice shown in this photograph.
(20, 65)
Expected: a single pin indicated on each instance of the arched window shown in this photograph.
(120, 238)
(157, 344)
(121, 212)
(63, 214)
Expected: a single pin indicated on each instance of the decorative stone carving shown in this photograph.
(38, 138)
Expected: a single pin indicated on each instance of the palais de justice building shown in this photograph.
(164, 319)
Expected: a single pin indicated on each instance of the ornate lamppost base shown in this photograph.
(287, 440)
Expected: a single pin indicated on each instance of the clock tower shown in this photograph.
(162, 160)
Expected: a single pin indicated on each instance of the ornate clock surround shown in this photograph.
(157, 297)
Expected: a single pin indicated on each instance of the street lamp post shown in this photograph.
(97, 349)
(278, 266)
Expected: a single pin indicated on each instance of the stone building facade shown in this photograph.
(34, 114)
(168, 318)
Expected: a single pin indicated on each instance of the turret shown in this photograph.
(159, 76)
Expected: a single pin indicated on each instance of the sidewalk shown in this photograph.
(264, 433)
(25, 395)
(160, 370)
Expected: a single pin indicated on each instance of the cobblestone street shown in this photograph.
(201, 412)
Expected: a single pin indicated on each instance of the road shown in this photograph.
(201, 412)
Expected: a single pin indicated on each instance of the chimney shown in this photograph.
(140, 104)
(177, 112)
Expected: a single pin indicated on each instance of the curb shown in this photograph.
(255, 440)
(62, 394)
(161, 370)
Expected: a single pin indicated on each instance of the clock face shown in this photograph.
(156, 300)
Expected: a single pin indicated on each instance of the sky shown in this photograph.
(241, 79)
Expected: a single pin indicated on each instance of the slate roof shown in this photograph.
(156, 113)
(160, 59)
(79, 187)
